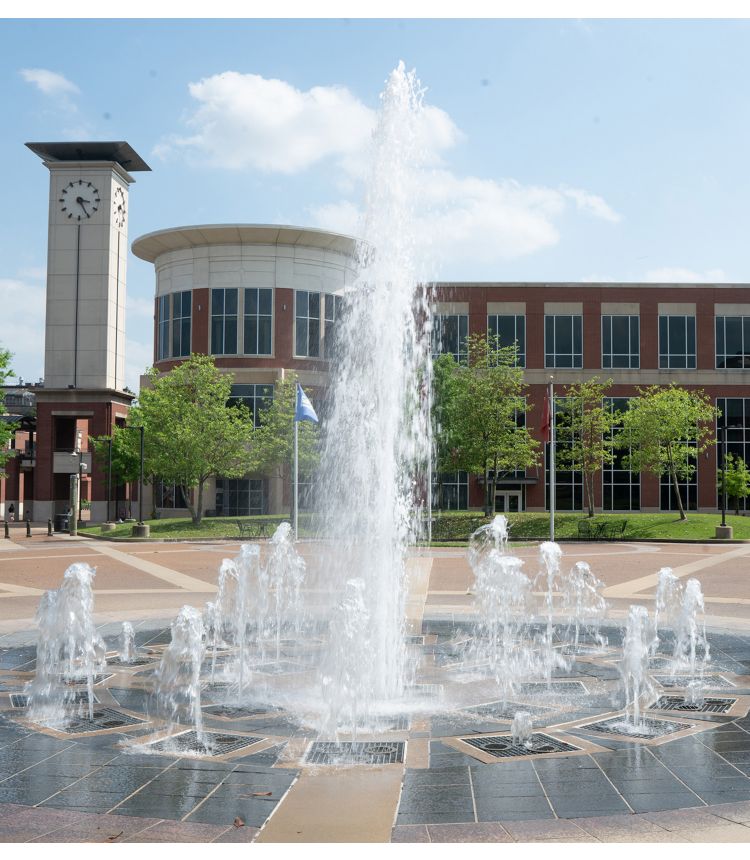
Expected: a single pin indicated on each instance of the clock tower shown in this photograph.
(84, 352)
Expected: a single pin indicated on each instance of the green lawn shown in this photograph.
(458, 525)
(454, 527)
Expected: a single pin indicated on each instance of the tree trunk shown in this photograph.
(197, 512)
(486, 488)
(493, 490)
(675, 483)
(588, 482)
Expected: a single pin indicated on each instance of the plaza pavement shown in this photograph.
(152, 581)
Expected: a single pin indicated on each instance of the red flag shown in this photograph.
(546, 420)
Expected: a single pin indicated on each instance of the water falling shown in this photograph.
(668, 598)
(377, 435)
(550, 578)
(285, 574)
(636, 682)
(69, 650)
(127, 643)
(177, 685)
(691, 650)
(522, 728)
(584, 604)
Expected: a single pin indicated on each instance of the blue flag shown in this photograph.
(304, 409)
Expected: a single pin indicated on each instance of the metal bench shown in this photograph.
(615, 530)
(250, 529)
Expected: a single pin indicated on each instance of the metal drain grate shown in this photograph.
(78, 682)
(139, 661)
(502, 746)
(710, 682)
(79, 697)
(415, 640)
(678, 703)
(237, 712)
(507, 710)
(533, 687)
(209, 744)
(424, 691)
(283, 667)
(648, 729)
(380, 752)
(104, 718)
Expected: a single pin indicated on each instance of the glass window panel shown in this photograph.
(301, 341)
(563, 335)
(621, 335)
(315, 305)
(230, 302)
(302, 303)
(230, 336)
(217, 335)
(217, 301)
(251, 335)
(251, 303)
(264, 336)
(607, 336)
(677, 338)
(577, 335)
(314, 340)
(265, 302)
(733, 336)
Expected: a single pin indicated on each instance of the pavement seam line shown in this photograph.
(213, 790)
(133, 793)
(725, 760)
(473, 796)
(546, 796)
(158, 571)
(75, 782)
(617, 790)
(23, 770)
(669, 770)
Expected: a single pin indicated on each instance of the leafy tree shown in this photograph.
(126, 451)
(6, 430)
(191, 433)
(273, 440)
(443, 385)
(483, 403)
(583, 431)
(666, 428)
(738, 480)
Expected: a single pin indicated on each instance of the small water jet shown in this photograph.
(522, 729)
(127, 643)
(550, 578)
(177, 680)
(584, 605)
(69, 650)
(691, 649)
(637, 684)
(668, 598)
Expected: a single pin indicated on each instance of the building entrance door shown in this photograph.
(508, 501)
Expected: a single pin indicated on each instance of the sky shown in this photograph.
(556, 150)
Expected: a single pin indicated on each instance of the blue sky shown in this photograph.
(559, 150)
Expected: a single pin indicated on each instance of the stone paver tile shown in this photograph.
(739, 812)
(726, 833)
(685, 819)
(482, 832)
(528, 831)
(100, 828)
(410, 833)
(29, 822)
(607, 826)
(178, 831)
(238, 834)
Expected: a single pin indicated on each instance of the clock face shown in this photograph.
(79, 200)
(118, 207)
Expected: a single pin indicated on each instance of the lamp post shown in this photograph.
(140, 529)
(724, 532)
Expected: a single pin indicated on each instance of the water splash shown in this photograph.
(584, 604)
(69, 650)
(668, 598)
(127, 643)
(522, 729)
(551, 580)
(285, 575)
(691, 649)
(177, 685)
(637, 684)
(377, 435)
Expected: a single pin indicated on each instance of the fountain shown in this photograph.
(550, 577)
(584, 604)
(177, 684)
(69, 650)
(127, 643)
(668, 597)
(634, 669)
(691, 650)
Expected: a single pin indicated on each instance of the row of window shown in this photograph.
(621, 488)
(563, 339)
(242, 323)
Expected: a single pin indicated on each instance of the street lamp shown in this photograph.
(724, 532)
(140, 529)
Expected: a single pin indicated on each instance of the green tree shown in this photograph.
(483, 411)
(191, 432)
(273, 440)
(666, 428)
(6, 429)
(446, 450)
(126, 452)
(738, 480)
(583, 432)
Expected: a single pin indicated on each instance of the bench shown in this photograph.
(615, 530)
(588, 530)
(251, 529)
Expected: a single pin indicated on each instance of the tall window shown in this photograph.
(258, 321)
(449, 332)
(510, 329)
(307, 324)
(257, 398)
(621, 488)
(732, 342)
(168, 495)
(162, 347)
(735, 418)
(620, 341)
(181, 318)
(224, 321)
(450, 491)
(563, 341)
(333, 308)
(241, 497)
(676, 342)
(568, 484)
(688, 491)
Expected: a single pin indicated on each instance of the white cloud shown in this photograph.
(50, 83)
(592, 203)
(467, 218)
(677, 275)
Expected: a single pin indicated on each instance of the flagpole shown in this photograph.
(552, 440)
(296, 479)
